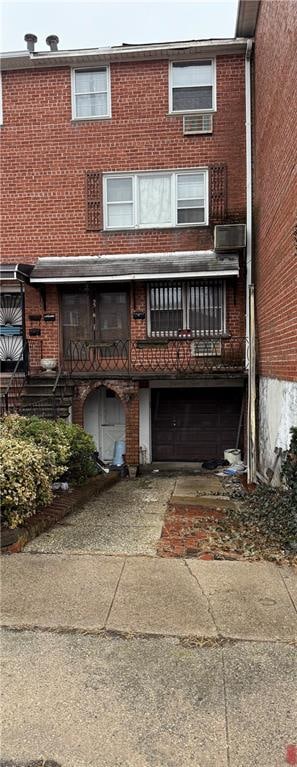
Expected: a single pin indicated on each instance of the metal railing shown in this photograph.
(11, 396)
(59, 392)
(164, 356)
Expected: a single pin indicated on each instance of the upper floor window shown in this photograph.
(91, 93)
(192, 86)
(153, 200)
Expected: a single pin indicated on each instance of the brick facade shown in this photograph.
(45, 156)
(275, 158)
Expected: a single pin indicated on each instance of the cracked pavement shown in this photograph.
(123, 660)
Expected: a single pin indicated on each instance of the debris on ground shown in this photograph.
(256, 525)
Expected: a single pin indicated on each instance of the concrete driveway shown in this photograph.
(126, 519)
(124, 659)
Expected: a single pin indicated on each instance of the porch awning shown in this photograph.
(143, 266)
(20, 272)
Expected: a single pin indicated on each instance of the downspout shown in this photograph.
(250, 312)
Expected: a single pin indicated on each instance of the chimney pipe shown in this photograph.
(30, 40)
(52, 41)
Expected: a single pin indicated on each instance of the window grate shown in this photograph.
(190, 309)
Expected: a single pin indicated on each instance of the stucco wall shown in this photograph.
(277, 414)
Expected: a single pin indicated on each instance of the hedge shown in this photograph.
(34, 452)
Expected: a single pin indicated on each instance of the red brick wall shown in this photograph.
(45, 156)
(275, 188)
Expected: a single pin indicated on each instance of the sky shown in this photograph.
(94, 24)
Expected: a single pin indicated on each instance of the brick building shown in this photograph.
(117, 165)
(273, 25)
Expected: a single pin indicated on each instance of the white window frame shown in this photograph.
(174, 211)
(186, 312)
(214, 87)
(73, 93)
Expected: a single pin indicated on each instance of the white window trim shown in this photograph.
(174, 174)
(73, 93)
(171, 334)
(214, 88)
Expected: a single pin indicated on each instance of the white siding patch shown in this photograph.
(145, 425)
(277, 414)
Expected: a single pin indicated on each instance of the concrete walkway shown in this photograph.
(149, 596)
(118, 660)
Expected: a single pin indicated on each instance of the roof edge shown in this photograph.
(247, 14)
(27, 60)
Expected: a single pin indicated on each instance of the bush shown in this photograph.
(24, 479)
(34, 452)
(81, 444)
(289, 470)
(44, 434)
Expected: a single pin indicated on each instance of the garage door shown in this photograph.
(194, 424)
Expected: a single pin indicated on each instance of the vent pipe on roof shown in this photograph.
(30, 40)
(52, 41)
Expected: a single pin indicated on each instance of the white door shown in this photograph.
(112, 425)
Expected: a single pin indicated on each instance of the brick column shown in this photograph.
(132, 429)
(78, 410)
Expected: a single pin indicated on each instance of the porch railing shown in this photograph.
(157, 356)
(11, 395)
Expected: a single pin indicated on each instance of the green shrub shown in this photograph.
(289, 470)
(34, 452)
(81, 444)
(45, 434)
(24, 480)
(68, 446)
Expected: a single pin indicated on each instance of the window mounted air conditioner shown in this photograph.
(206, 347)
(195, 124)
(229, 237)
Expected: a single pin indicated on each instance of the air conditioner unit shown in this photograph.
(194, 124)
(206, 347)
(229, 237)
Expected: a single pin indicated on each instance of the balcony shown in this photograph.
(156, 357)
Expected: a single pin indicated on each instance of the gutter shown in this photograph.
(248, 137)
(85, 57)
(128, 277)
(250, 298)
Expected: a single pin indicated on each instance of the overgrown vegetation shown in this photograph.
(289, 472)
(34, 452)
(266, 523)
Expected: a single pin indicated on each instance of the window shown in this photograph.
(166, 308)
(91, 93)
(192, 86)
(190, 198)
(195, 308)
(146, 200)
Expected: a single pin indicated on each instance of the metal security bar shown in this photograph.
(90, 356)
(10, 400)
(195, 308)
